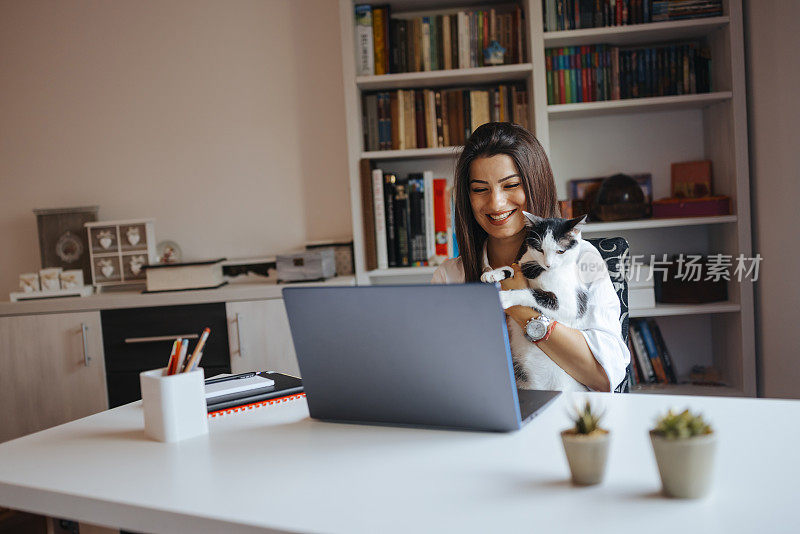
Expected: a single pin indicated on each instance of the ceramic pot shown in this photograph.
(586, 455)
(685, 465)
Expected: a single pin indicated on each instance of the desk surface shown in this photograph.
(274, 468)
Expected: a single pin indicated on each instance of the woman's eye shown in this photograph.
(512, 186)
(478, 190)
(560, 251)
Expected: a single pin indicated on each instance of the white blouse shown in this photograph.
(604, 337)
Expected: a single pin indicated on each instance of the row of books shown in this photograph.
(450, 40)
(602, 72)
(431, 118)
(650, 360)
(579, 14)
(407, 220)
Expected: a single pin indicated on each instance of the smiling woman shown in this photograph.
(503, 182)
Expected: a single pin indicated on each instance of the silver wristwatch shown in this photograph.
(536, 328)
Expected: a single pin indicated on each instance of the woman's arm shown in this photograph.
(566, 346)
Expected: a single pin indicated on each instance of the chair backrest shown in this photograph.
(614, 251)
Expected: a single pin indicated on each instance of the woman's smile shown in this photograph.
(501, 218)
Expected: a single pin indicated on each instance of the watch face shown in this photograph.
(536, 329)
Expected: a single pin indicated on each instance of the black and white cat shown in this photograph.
(550, 264)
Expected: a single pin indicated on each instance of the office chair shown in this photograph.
(614, 251)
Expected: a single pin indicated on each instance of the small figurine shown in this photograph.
(106, 267)
(133, 235)
(494, 54)
(136, 265)
(105, 239)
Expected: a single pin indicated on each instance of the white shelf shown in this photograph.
(687, 389)
(664, 310)
(637, 105)
(439, 78)
(637, 33)
(402, 271)
(644, 224)
(444, 152)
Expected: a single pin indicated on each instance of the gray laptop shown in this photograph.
(418, 355)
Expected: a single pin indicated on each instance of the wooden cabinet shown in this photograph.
(259, 336)
(52, 371)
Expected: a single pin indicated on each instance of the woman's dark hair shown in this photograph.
(520, 145)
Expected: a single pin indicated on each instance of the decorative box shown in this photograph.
(691, 207)
(62, 241)
(119, 250)
(317, 264)
(640, 287)
(343, 253)
(692, 288)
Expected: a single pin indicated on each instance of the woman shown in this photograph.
(502, 171)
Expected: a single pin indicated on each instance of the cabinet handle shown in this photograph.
(239, 334)
(86, 357)
(160, 338)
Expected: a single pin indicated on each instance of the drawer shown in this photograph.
(140, 339)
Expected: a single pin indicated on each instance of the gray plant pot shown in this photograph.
(685, 465)
(586, 455)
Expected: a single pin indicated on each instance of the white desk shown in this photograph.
(275, 469)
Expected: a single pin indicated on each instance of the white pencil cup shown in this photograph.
(174, 405)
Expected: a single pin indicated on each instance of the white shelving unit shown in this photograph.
(601, 138)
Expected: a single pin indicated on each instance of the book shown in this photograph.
(661, 346)
(389, 181)
(402, 222)
(416, 220)
(183, 276)
(440, 222)
(365, 54)
(237, 387)
(642, 357)
(430, 232)
(379, 216)
(368, 206)
(285, 388)
(652, 351)
(380, 34)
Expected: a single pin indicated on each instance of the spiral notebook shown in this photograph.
(286, 388)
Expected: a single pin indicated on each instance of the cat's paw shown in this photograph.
(498, 275)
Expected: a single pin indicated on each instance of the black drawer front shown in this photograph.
(124, 361)
(119, 325)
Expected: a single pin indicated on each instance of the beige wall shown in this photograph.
(774, 115)
(223, 120)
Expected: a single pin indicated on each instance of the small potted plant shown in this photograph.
(586, 446)
(684, 447)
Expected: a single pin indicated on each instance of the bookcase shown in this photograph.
(603, 138)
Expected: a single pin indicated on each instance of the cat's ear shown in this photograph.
(574, 226)
(531, 218)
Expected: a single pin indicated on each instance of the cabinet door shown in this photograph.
(52, 371)
(260, 339)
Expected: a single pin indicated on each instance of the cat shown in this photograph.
(550, 265)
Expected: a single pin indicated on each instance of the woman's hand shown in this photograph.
(521, 314)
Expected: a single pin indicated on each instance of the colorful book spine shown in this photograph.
(440, 210)
(402, 221)
(652, 351)
(661, 346)
(380, 39)
(648, 373)
(430, 223)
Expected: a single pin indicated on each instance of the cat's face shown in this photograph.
(552, 243)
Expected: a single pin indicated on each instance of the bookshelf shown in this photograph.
(601, 138)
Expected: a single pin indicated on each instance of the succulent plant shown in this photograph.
(586, 420)
(681, 425)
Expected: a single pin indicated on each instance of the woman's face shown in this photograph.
(497, 196)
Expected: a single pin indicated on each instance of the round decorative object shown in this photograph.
(168, 252)
(619, 198)
(69, 247)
